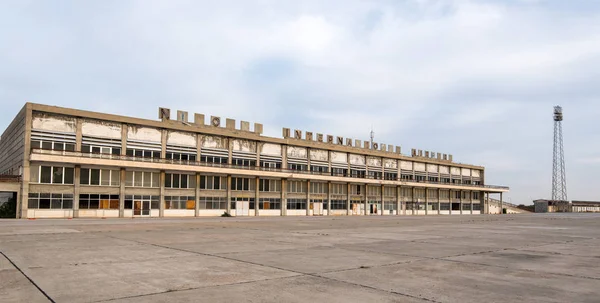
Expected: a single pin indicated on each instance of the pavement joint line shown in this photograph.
(288, 270)
(28, 278)
(196, 288)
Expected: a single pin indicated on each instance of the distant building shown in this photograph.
(550, 206)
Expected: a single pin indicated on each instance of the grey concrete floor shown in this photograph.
(509, 258)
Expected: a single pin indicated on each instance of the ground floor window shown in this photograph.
(133, 201)
(180, 202)
(466, 206)
(269, 203)
(235, 200)
(455, 206)
(338, 204)
(389, 205)
(410, 205)
(476, 206)
(97, 201)
(296, 203)
(50, 201)
(213, 203)
(444, 206)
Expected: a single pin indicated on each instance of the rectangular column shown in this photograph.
(329, 198)
(398, 207)
(161, 206)
(229, 194)
(460, 201)
(501, 204)
(366, 213)
(471, 196)
(414, 200)
(438, 202)
(382, 200)
(348, 199)
(283, 198)
(257, 197)
(76, 182)
(122, 193)
(426, 201)
(197, 189)
(308, 197)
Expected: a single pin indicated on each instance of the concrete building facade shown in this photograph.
(76, 164)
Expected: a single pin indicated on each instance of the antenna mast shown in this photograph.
(559, 179)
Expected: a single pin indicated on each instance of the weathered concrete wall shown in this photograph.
(476, 173)
(319, 155)
(390, 163)
(296, 152)
(455, 171)
(102, 129)
(407, 165)
(357, 159)
(181, 138)
(244, 145)
(419, 166)
(215, 142)
(143, 134)
(338, 157)
(432, 168)
(12, 145)
(444, 169)
(466, 172)
(55, 123)
(271, 149)
(374, 161)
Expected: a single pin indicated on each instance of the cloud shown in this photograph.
(477, 79)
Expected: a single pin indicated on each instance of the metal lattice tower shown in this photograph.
(559, 179)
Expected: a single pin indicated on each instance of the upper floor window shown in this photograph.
(356, 189)
(52, 145)
(95, 149)
(296, 186)
(355, 173)
(391, 176)
(319, 169)
(213, 182)
(142, 153)
(269, 185)
(142, 179)
(213, 159)
(180, 181)
(375, 175)
(96, 176)
(318, 188)
(294, 166)
(342, 172)
(243, 162)
(339, 189)
(180, 156)
(52, 174)
(238, 183)
(270, 164)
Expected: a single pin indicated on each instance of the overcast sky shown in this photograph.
(476, 79)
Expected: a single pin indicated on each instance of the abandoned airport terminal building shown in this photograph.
(68, 163)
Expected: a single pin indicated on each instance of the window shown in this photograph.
(52, 174)
(339, 189)
(355, 173)
(180, 156)
(466, 206)
(213, 159)
(406, 192)
(180, 202)
(410, 205)
(356, 189)
(143, 153)
(296, 186)
(391, 176)
(50, 201)
(338, 204)
(476, 206)
(375, 175)
(445, 180)
(341, 172)
(475, 195)
(97, 201)
(456, 181)
(243, 162)
(269, 203)
(154, 202)
(213, 182)
(373, 190)
(142, 179)
(296, 203)
(389, 191)
(389, 205)
(456, 195)
(420, 178)
(319, 169)
(467, 182)
(213, 203)
(97, 149)
(432, 179)
(269, 185)
(245, 184)
(318, 188)
(294, 166)
(270, 164)
(406, 177)
(476, 182)
(444, 206)
(95, 176)
(52, 145)
(180, 181)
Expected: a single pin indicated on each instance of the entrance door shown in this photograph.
(317, 208)
(242, 207)
(141, 208)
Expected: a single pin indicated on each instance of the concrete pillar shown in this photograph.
(283, 198)
(471, 196)
(257, 197)
(198, 147)
(460, 201)
(398, 207)
(122, 193)
(438, 201)
(308, 197)
(197, 189)
(161, 206)
(123, 140)
(76, 182)
(501, 204)
(426, 201)
(413, 197)
(78, 135)
(163, 145)
(382, 199)
(365, 203)
(284, 157)
(329, 198)
(229, 193)
(348, 199)
(229, 161)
